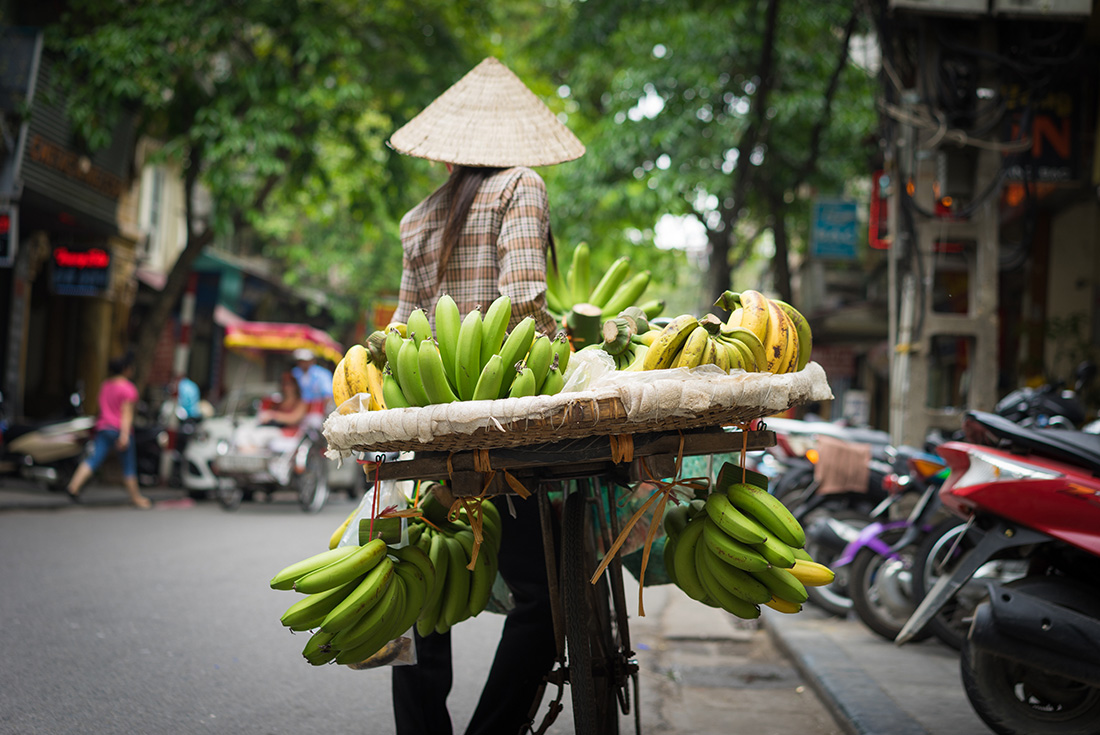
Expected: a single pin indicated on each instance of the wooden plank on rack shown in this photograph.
(594, 451)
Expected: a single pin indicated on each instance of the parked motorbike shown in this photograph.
(1031, 659)
(48, 452)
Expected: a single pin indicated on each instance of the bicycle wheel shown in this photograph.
(312, 484)
(591, 643)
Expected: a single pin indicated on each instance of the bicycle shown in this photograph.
(591, 623)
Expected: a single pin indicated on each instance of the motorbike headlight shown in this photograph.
(222, 447)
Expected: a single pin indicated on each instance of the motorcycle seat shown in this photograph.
(1063, 445)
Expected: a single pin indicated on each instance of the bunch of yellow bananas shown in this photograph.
(360, 371)
(778, 326)
(761, 335)
(616, 289)
(738, 549)
(470, 358)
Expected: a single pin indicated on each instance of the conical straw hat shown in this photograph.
(488, 118)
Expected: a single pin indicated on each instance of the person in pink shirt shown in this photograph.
(113, 430)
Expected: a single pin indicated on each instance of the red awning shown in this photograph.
(281, 337)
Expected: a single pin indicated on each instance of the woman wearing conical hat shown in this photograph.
(483, 233)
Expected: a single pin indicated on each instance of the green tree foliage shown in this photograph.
(723, 112)
(253, 96)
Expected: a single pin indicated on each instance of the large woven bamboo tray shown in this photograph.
(625, 403)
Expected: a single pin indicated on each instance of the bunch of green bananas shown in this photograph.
(781, 330)
(358, 598)
(616, 289)
(470, 358)
(740, 548)
(463, 585)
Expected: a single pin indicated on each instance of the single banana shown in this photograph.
(675, 519)
(730, 550)
(777, 340)
(558, 297)
(310, 611)
(802, 329)
(638, 363)
(612, 278)
(579, 275)
(418, 326)
(732, 521)
(801, 553)
(647, 337)
(392, 395)
(784, 606)
(417, 557)
(721, 355)
(776, 552)
(438, 554)
(468, 357)
(736, 581)
(340, 391)
(691, 354)
(524, 383)
(783, 584)
(363, 559)
(416, 591)
(361, 599)
(789, 356)
(562, 350)
(494, 326)
(334, 539)
(662, 352)
(372, 621)
(766, 508)
(683, 562)
(394, 341)
(456, 591)
(380, 633)
(286, 578)
(318, 649)
(628, 293)
(516, 345)
(652, 308)
(482, 576)
(539, 358)
(554, 381)
(725, 599)
(756, 315)
(748, 339)
(374, 383)
(488, 383)
(355, 364)
(407, 373)
(433, 376)
(448, 323)
(811, 573)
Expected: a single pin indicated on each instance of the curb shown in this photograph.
(855, 699)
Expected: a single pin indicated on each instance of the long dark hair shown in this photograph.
(462, 187)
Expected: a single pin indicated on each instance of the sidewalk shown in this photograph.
(17, 494)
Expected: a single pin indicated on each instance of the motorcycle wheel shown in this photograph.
(312, 483)
(832, 598)
(229, 495)
(1015, 699)
(934, 557)
(881, 588)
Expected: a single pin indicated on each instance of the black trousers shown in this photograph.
(524, 655)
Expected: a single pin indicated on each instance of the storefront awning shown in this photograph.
(282, 337)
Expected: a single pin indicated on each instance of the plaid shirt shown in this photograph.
(502, 250)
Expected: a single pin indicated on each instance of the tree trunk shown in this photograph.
(723, 239)
(782, 266)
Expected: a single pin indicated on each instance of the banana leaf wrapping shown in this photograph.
(614, 403)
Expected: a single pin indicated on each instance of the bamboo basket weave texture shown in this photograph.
(665, 400)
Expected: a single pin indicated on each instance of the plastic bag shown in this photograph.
(585, 368)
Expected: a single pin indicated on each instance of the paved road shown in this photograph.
(119, 620)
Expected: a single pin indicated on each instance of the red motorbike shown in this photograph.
(1031, 660)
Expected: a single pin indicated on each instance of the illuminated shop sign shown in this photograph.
(81, 272)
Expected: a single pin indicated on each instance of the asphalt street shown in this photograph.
(162, 621)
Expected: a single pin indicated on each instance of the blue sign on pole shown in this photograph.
(835, 232)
